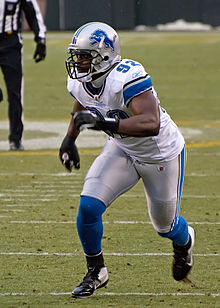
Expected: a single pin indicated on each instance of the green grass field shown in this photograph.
(41, 259)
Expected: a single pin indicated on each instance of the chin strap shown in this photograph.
(87, 78)
(99, 77)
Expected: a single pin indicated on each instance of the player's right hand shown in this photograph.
(68, 153)
(87, 119)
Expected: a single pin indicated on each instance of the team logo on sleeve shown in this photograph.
(101, 36)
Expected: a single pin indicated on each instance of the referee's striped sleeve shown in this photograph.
(136, 87)
(34, 18)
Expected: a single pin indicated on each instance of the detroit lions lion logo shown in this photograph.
(99, 35)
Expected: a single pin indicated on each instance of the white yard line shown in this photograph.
(115, 294)
(29, 199)
(194, 174)
(23, 205)
(201, 196)
(156, 294)
(122, 196)
(115, 254)
(74, 174)
(28, 195)
(104, 222)
(60, 174)
(183, 196)
(6, 210)
(87, 139)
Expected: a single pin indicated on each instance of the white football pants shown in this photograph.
(113, 172)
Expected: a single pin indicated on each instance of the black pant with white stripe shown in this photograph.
(11, 65)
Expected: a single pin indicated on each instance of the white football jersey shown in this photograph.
(125, 81)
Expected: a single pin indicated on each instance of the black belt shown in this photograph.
(6, 34)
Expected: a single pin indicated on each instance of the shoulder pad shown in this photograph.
(134, 77)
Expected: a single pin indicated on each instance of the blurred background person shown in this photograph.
(11, 58)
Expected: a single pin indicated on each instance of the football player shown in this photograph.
(117, 96)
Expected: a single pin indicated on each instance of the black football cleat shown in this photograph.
(183, 260)
(95, 278)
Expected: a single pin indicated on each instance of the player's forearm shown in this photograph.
(72, 130)
(140, 126)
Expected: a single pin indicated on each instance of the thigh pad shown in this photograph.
(111, 174)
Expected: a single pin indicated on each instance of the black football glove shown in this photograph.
(87, 119)
(68, 153)
(40, 51)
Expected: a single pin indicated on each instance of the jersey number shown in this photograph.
(123, 68)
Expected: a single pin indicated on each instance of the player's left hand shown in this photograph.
(40, 51)
(86, 119)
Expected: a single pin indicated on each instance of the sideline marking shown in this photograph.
(115, 294)
(198, 123)
(206, 144)
(98, 150)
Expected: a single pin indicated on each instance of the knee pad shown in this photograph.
(90, 210)
(179, 234)
(162, 213)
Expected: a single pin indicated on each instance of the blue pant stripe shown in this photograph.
(182, 161)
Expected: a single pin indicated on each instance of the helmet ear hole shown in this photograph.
(106, 58)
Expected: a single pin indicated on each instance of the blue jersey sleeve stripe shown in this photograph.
(135, 80)
(136, 89)
(72, 95)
